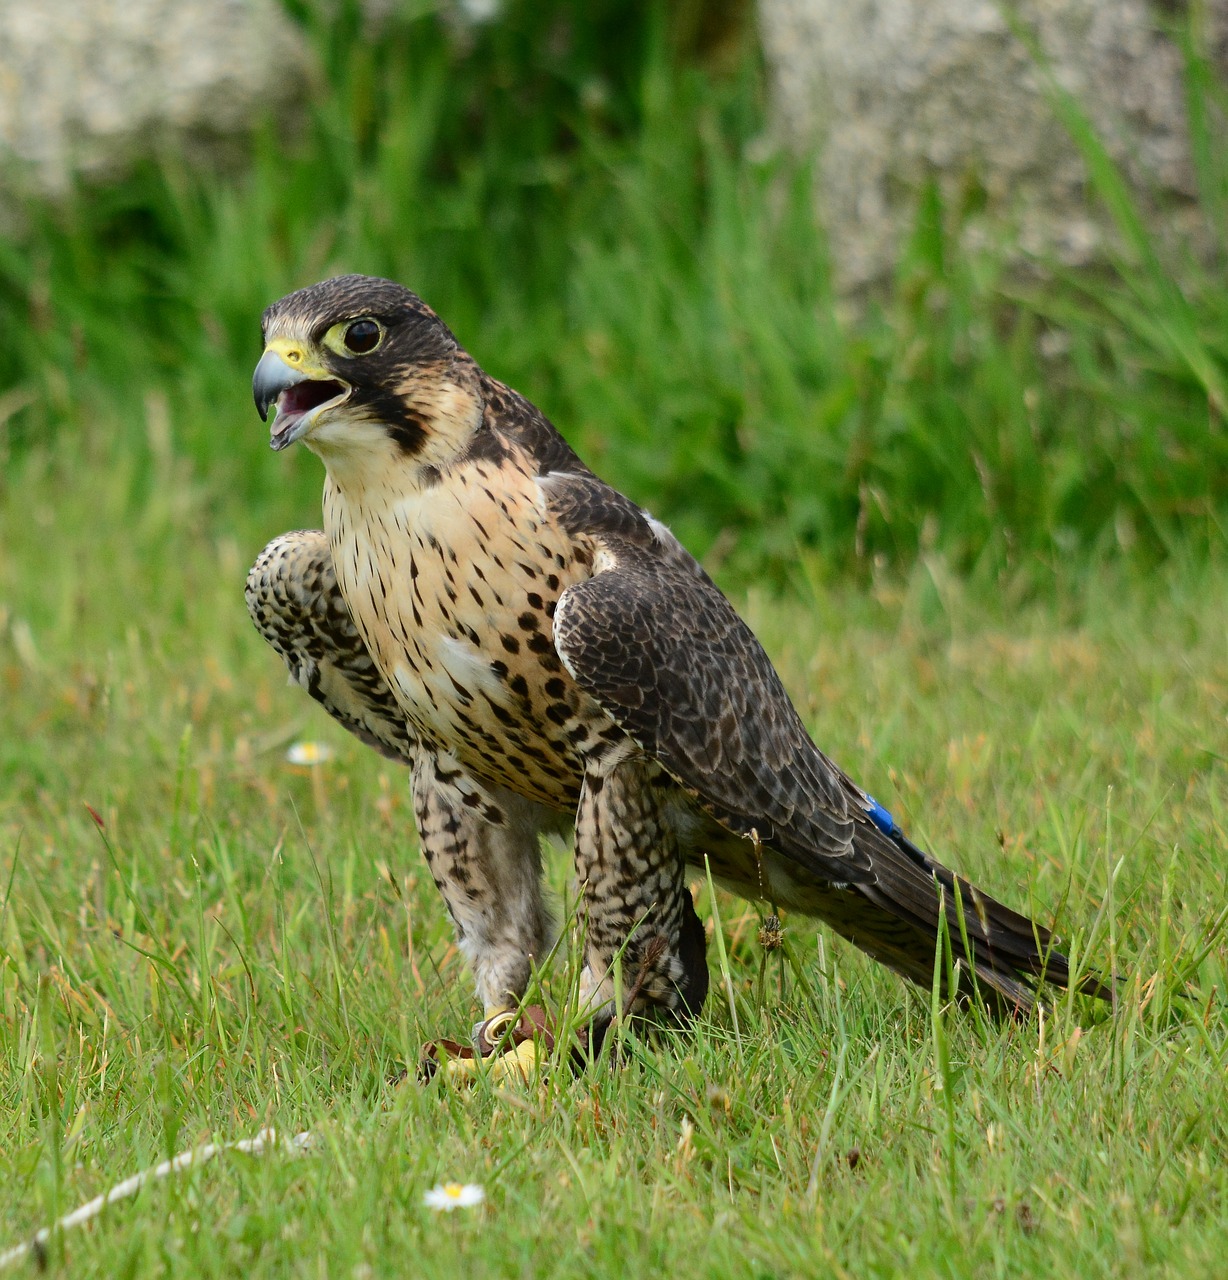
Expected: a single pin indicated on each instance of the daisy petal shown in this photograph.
(454, 1195)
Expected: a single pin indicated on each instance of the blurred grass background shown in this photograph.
(589, 198)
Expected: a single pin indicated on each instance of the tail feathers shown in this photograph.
(998, 951)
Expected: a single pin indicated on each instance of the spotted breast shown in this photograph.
(462, 627)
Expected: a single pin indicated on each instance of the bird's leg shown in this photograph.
(481, 845)
(637, 906)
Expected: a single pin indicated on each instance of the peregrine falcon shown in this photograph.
(542, 654)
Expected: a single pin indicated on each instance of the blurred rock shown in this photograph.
(89, 86)
(896, 93)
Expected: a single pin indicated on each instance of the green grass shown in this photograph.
(253, 944)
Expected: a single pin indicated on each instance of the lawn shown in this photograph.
(238, 942)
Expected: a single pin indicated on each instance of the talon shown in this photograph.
(508, 1046)
(516, 1064)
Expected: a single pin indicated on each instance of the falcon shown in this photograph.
(543, 654)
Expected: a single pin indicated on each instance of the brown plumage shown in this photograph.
(541, 652)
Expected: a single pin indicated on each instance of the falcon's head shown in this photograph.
(357, 362)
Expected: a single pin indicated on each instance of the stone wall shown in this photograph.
(87, 86)
(895, 93)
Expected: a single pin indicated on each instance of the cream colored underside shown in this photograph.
(427, 568)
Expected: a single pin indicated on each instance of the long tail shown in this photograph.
(898, 919)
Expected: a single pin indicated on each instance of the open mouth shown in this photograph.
(296, 403)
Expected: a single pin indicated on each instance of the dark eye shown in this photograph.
(362, 336)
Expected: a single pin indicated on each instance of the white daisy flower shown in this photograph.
(454, 1195)
(310, 753)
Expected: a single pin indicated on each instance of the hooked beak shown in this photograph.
(297, 393)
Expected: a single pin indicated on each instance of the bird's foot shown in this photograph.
(516, 1066)
(507, 1046)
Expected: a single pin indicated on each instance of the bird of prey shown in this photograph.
(542, 653)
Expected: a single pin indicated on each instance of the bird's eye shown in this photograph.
(362, 336)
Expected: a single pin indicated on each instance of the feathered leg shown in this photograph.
(633, 878)
(481, 844)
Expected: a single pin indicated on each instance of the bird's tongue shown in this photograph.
(298, 400)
